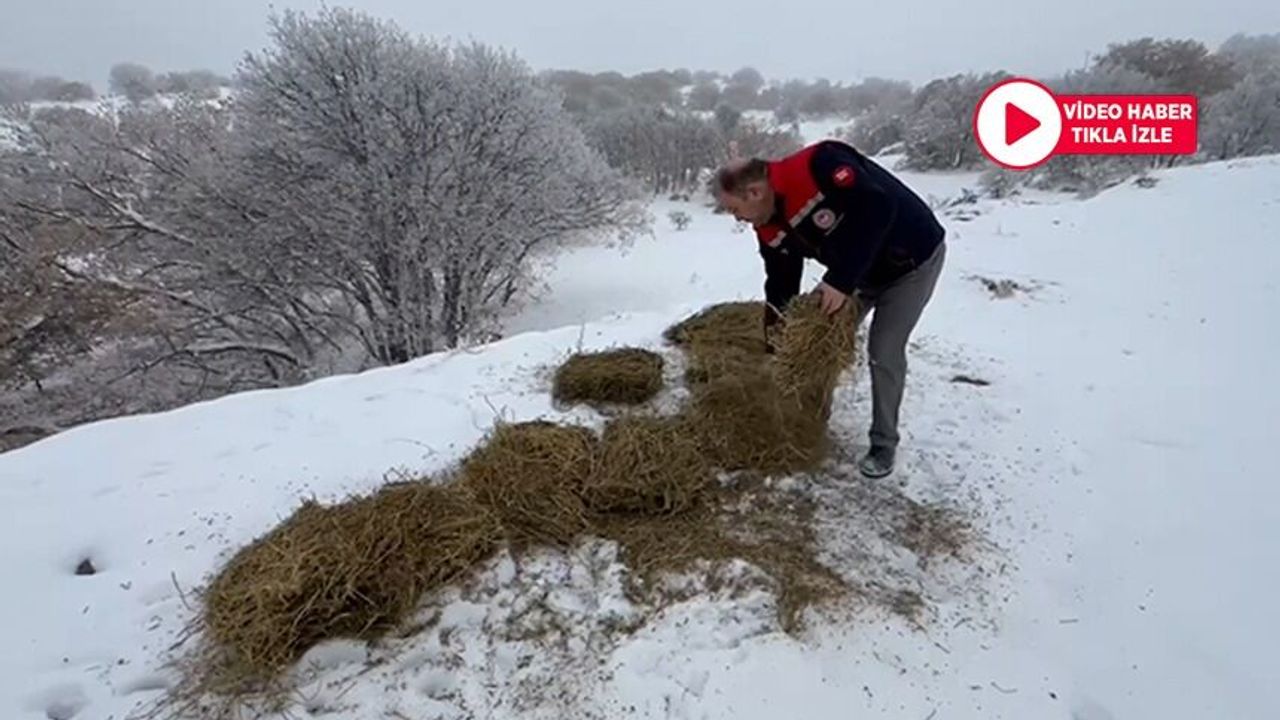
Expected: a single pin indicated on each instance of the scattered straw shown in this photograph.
(931, 531)
(627, 376)
(740, 523)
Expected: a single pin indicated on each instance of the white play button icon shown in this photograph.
(1018, 123)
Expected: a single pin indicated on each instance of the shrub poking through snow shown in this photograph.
(627, 376)
(359, 568)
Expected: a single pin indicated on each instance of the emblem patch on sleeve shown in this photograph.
(843, 176)
(825, 219)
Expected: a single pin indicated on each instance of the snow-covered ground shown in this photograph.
(1119, 460)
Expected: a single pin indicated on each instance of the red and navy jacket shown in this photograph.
(840, 208)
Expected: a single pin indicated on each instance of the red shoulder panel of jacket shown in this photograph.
(792, 179)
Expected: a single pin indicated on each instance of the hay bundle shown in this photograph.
(721, 340)
(625, 376)
(770, 413)
(813, 350)
(726, 325)
(531, 475)
(743, 423)
(648, 465)
(350, 570)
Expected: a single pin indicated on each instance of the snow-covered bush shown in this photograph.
(135, 82)
(343, 209)
(938, 132)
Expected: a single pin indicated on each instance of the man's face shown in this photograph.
(754, 204)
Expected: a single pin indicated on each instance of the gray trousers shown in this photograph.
(894, 310)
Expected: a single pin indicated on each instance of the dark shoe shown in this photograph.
(877, 463)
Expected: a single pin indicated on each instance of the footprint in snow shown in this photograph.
(1085, 708)
(61, 702)
(144, 684)
(159, 469)
(437, 685)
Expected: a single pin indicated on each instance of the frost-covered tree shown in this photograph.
(727, 119)
(425, 176)
(874, 93)
(749, 78)
(15, 86)
(1183, 66)
(654, 88)
(754, 139)
(56, 89)
(663, 149)
(821, 99)
(1244, 120)
(787, 115)
(135, 82)
(938, 134)
(1252, 53)
(740, 97)
(878, 128)
(704, 96)
(202, 83)
(365, 198)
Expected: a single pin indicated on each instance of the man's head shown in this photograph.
(742, 187)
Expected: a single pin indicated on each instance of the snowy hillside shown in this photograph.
(1118, 458)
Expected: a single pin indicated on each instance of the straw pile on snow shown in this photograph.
(358, 568)
(354, 569)
(623, 376)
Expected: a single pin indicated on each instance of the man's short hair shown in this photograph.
(734, 178)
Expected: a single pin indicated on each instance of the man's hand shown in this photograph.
(832, 299)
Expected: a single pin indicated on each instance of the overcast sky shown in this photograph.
(913, 40)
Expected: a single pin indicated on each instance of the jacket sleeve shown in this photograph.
(868, 213)
(782, 275)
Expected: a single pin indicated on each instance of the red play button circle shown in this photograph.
(1018, 123)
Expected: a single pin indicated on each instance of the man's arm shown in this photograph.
(782, 275)
(869, 212)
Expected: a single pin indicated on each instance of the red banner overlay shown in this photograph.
(1128, 124)
(1020, 123)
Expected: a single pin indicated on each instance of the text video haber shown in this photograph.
(1134, 112)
